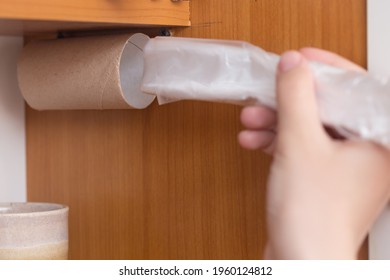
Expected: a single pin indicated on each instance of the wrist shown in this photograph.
(294, 239)
(306, 251)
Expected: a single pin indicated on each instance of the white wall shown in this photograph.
(12, 128)
(379, 64)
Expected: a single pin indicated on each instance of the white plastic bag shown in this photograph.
(354, 104)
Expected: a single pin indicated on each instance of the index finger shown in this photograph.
(328, 57)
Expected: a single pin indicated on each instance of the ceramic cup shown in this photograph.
(33, 231)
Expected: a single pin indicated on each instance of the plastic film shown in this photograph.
(355, 104)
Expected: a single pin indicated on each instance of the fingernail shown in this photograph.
(289, 60)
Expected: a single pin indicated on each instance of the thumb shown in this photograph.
(298, 116)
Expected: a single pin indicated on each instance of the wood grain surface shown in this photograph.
(37, 28)
(171, 182)
(52, 15)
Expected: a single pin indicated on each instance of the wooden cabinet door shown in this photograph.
(171, 182)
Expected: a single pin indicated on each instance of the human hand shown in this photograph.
(323, 194)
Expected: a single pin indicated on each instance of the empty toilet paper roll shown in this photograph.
(102, 72)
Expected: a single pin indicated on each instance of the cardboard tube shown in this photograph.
(84, 73)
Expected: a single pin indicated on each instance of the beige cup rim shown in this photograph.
(52, 209)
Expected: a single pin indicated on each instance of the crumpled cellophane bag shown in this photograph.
(356, 105)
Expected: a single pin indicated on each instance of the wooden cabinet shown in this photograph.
(24, 16)
(167, 182)
(171, 182)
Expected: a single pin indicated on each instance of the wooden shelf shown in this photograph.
(26, 16)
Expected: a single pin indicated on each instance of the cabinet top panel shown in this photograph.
(93, 13)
